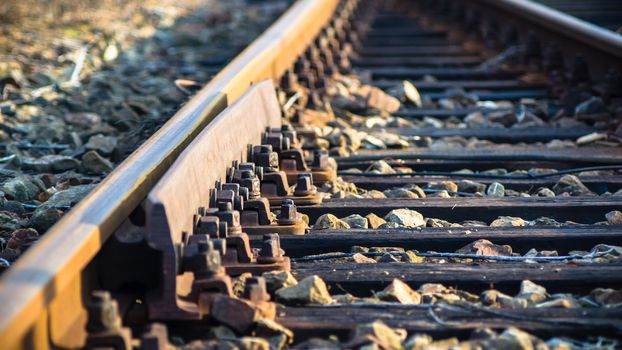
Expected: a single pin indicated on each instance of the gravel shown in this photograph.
(82, 85)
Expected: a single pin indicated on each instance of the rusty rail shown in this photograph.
(563, 24)
(34, 291)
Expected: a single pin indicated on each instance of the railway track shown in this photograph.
(605, 14)
(433, 167)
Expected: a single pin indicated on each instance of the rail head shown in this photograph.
(53, 264)
(563, 24)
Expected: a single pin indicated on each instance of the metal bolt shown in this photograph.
(259, 173)
(247, 166)
(275, 140)
(270, 249)
(220, 245)
(205, 261)
(223, 229)
(304, 185)
(288, 215)
(225, 206)
(230, 192)
(244, 193)
(264, 157)
(231, 217)
(250, 182)
(209, 225)
(289, 134)
(230, 174)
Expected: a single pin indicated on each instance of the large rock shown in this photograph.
(377, 333)
(545, 221)
(330, 221)
(372, 142)
(520, 340)
(102, 144)
(362, 259)
(485, 247)
(593, 105)
(417, 190)
(9, 221)
(252, 343)
(388, 258)
(473, 223)
(532, 292)
(405, 217)
(85, 120)
(22, 188)
(352, 138)
(389, 225)
(50, 163)
(400, 292)
(495, 298)
(310, 290)
(418, 342)
(495, 189)
(433, 222)
(22, 239)
(400, 193)
(386, 249)
(238, 314)
(70, 196)
(374, 194)
(374, 220)
(276, 280)
(508, 221)
(43, 218)
(545, 192)
(93, 163)
(614, 217)
(378, 99)
(391, 140)
(382, 167)
(411, 257)
(572, 185)
(356, 221)
(440, 194)
(449, 186)
(607, 296)
(268, 328)
(469, 186)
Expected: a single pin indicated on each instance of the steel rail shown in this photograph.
(34, 292)
(561, 23)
